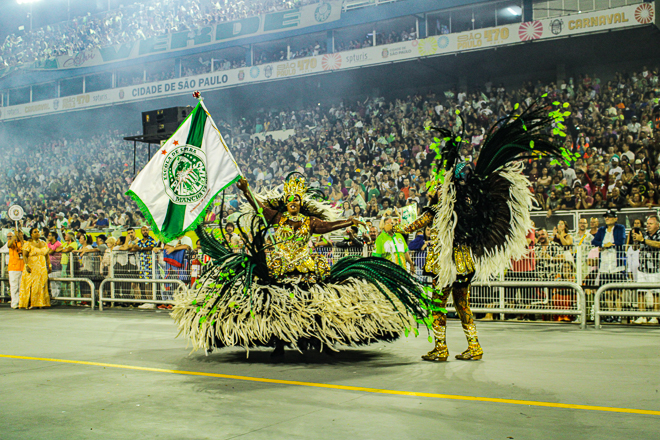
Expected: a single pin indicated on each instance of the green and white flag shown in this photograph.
(184, 176)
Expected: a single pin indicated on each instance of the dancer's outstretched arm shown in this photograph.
(318, 226)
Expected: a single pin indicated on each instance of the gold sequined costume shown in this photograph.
(460, 290)
(291, 257)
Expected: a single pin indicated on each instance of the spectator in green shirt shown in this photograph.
(392, 246)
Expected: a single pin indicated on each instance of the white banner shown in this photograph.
(617, 18)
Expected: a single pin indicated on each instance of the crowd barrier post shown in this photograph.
(4, 274)
(579, 256)
(111, 272)
(500, 291)
(72, 285)
(154, 288)
(632, 285)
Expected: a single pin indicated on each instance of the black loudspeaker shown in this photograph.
(163, 121)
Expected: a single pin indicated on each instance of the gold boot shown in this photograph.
(440, 351)
(474, 351)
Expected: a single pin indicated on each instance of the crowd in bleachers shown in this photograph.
(130, 23)
(373, 153)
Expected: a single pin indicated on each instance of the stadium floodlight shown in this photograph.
(29, 2)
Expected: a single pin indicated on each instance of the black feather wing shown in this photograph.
(483, 213)
(518, 137)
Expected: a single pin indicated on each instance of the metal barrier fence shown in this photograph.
(92, 290)
(571, 304)
(621, 289)
(544, 282)
(153, 300)
(77, 277)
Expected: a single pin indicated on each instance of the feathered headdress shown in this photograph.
(295, 186)
(312, 201)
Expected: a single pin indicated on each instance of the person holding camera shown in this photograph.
(649, 261)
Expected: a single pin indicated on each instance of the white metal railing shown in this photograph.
(621, 289)
(73, 280)
(153, 300)
(356, 4)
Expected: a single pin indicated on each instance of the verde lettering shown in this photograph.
(239, 28)
(181, 39)
(154, 44)
(282, 20)
(114, 53)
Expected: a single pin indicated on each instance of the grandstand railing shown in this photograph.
(356, 4)
(558, 8)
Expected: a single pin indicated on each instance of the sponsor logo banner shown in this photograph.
(627, 16)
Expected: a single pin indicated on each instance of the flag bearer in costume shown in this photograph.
(480, 217)
(286, 295)
(267, 295)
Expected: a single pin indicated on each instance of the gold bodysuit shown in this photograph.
(291, 256)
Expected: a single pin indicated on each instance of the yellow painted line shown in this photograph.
(348, 388)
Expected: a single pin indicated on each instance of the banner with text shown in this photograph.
(616, 18)
(296, 18)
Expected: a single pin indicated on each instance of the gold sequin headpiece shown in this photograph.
(295, 186)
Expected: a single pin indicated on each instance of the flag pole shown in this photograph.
(197, 95)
